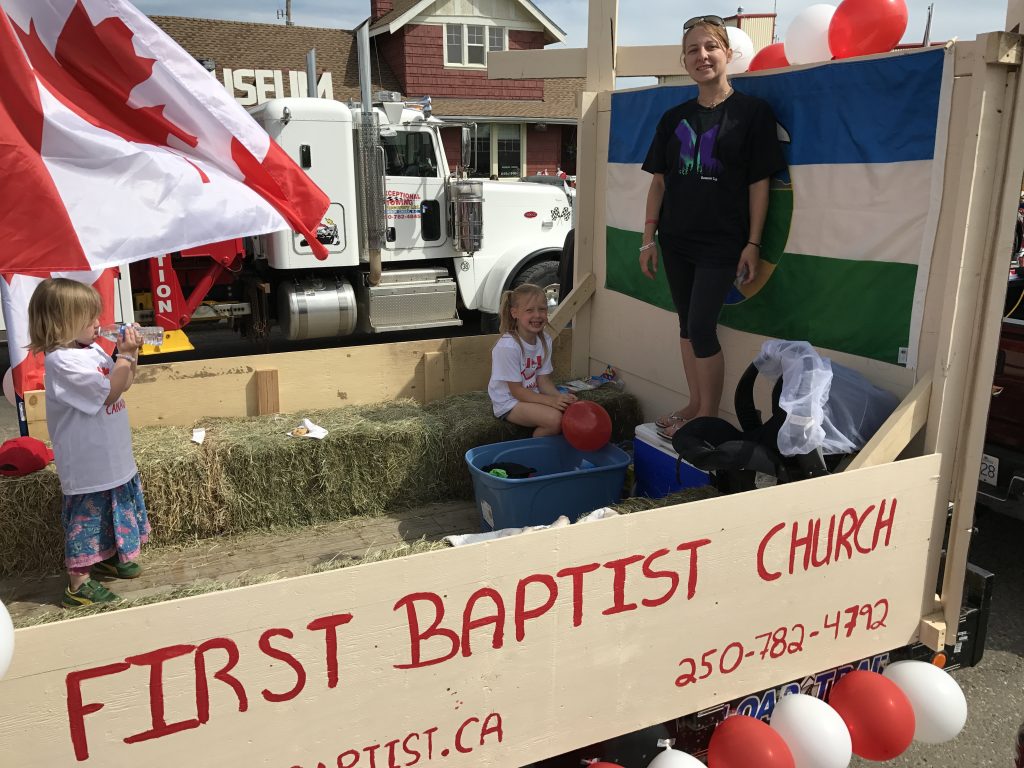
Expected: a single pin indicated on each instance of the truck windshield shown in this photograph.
(410, 153)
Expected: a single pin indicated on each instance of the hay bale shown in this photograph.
(249, 475)
(33, 538)
(180, 484)
(372, 459)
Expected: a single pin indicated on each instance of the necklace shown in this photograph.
(715, 103)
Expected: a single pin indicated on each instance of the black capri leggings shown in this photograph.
(698, 292)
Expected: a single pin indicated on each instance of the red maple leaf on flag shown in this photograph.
(93, 71)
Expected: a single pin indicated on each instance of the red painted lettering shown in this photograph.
(372, 751)
(155, 661)
(798, 542)
(414, 753)
(497, 619)
(223, 675)
(77, 709)
(429, 733)
(522, 613)
(492, 724)
(330, 626)
(391, 753)
(847, 527)
(816, 561)
(576, 573)
(287, 658)
(762, 571)
(435, 629)
(884, 523)
(344, 757)
(692, 547)
(458, 735)
(856, 533)
(650, 573)
(619, 584)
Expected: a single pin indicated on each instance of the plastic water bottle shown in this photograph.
(151, 334)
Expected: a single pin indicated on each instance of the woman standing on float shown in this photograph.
(711, 160)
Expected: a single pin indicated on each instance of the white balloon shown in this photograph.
(807, 36)
(742, 50)
(9, 386)
(6, 640)
(673, 758)
(940, 707)
(813, 731)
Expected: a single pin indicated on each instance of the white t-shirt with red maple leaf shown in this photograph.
(518, 364)
(92, 441)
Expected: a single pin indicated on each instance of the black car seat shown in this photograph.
(734, 456)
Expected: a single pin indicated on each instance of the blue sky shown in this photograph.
(952, 17)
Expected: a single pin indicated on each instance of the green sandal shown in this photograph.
(90, 593)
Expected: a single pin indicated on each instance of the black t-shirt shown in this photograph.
(709, 158)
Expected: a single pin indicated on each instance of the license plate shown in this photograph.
(989, 469)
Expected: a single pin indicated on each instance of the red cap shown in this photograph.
(23, 455)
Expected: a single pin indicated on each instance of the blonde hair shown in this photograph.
(58, 310)
(513, 298)
(719, 33)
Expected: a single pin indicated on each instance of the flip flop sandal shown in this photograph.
(666, 422)
(669, 432)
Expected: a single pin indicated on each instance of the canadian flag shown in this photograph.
(15, 291)
(116, 145)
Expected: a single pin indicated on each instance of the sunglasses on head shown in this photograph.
(717, 21)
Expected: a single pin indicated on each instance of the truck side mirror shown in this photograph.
(467, 147)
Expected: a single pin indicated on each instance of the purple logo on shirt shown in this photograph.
(696, 151)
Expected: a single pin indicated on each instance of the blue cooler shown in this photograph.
(654, 466)
(566, 482)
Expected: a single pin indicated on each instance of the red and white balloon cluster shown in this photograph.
(870, 715)
(823, 32)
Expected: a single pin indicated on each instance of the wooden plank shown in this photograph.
(435, 381)
(508, 632)
(553, 62)
(933, 631)
(268, 398)
(899, 429)
(571, 304)
(35, 414)
(966, 351)
(650, 61)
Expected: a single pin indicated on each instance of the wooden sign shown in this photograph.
(496, 654)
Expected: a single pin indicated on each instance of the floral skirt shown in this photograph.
(101, 524)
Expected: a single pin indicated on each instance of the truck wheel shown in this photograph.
(544, 274)
(489, 322)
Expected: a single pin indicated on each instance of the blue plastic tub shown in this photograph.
(567, 481)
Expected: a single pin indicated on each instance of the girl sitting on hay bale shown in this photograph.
(521, 389)
(103, 512)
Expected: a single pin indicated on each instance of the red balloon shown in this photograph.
(741, 742)
(770, 57)
(877, 713)
(860, 27)
(587, 426)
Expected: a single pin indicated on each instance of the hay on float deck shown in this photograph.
(405, 549)
(250, 475)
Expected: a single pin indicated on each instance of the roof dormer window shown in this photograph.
(467, 45)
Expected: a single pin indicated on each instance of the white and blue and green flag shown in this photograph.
(851, 225)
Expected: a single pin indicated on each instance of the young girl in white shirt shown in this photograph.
(521, 388)
(103, 512)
